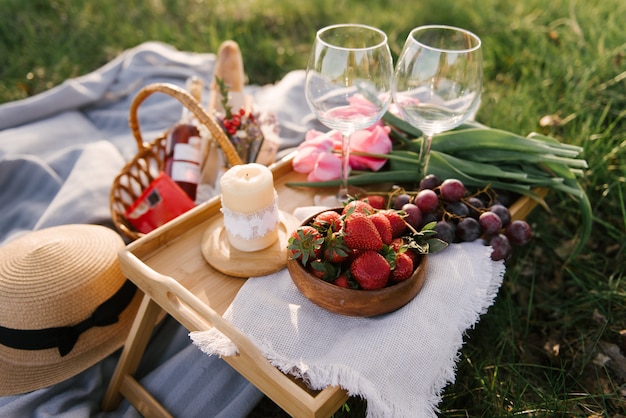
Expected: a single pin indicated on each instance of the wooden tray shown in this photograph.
(223, 257)
(168, 265)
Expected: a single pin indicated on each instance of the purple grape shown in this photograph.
(452, 190)
(518, 232)
(431, 182)
(490, 223)
(427, 200)
(413, 215)
(401, 200)
(475, 205)
(458, 208)
(468, 229)
(445, 231)
(439, 212)
(428, 218)
(504, 198)
(502, 212)
(501, 247)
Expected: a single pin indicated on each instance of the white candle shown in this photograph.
(250, 207)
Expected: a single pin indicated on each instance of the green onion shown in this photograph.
(479, 156)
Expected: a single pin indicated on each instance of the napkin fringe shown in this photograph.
(213, 342)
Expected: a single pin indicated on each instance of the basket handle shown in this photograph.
(190, 103)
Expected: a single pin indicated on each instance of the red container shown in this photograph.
(162, 201)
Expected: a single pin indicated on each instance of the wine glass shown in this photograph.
(348, 83)
(438, 81)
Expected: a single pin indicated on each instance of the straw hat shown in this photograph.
(61, 291)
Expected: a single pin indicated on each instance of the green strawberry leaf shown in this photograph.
(435, 245)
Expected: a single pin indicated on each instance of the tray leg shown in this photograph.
(132, 352)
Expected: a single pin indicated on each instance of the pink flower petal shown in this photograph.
(362, 106)
(315, 143)
(304, 160)
(374, 140)
(327, 167)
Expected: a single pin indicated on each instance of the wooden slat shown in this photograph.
(142, 400)
(147, 316)
(523, 206)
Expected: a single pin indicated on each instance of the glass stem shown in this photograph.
(345, 167)
(425, 154)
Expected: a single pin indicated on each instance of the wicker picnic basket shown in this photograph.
(149, 161)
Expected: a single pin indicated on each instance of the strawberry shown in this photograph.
(324, 270)
(335, 250)
(415, 256)
(342, 281)
(397, 244)
(305, 243)
(359, 232)
(398, 225)
(358, 206)
(328, 219)
(383, 226)
(370, 270)
(375, 201)
(316, 269)
(403, 269)
(354, 254)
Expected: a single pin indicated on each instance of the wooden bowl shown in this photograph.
(353, 302)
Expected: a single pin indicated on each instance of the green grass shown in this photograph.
(536, 352)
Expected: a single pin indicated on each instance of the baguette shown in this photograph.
(229, 68)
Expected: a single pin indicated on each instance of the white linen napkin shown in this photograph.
(399, 362)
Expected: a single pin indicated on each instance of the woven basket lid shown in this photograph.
(57, 277)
